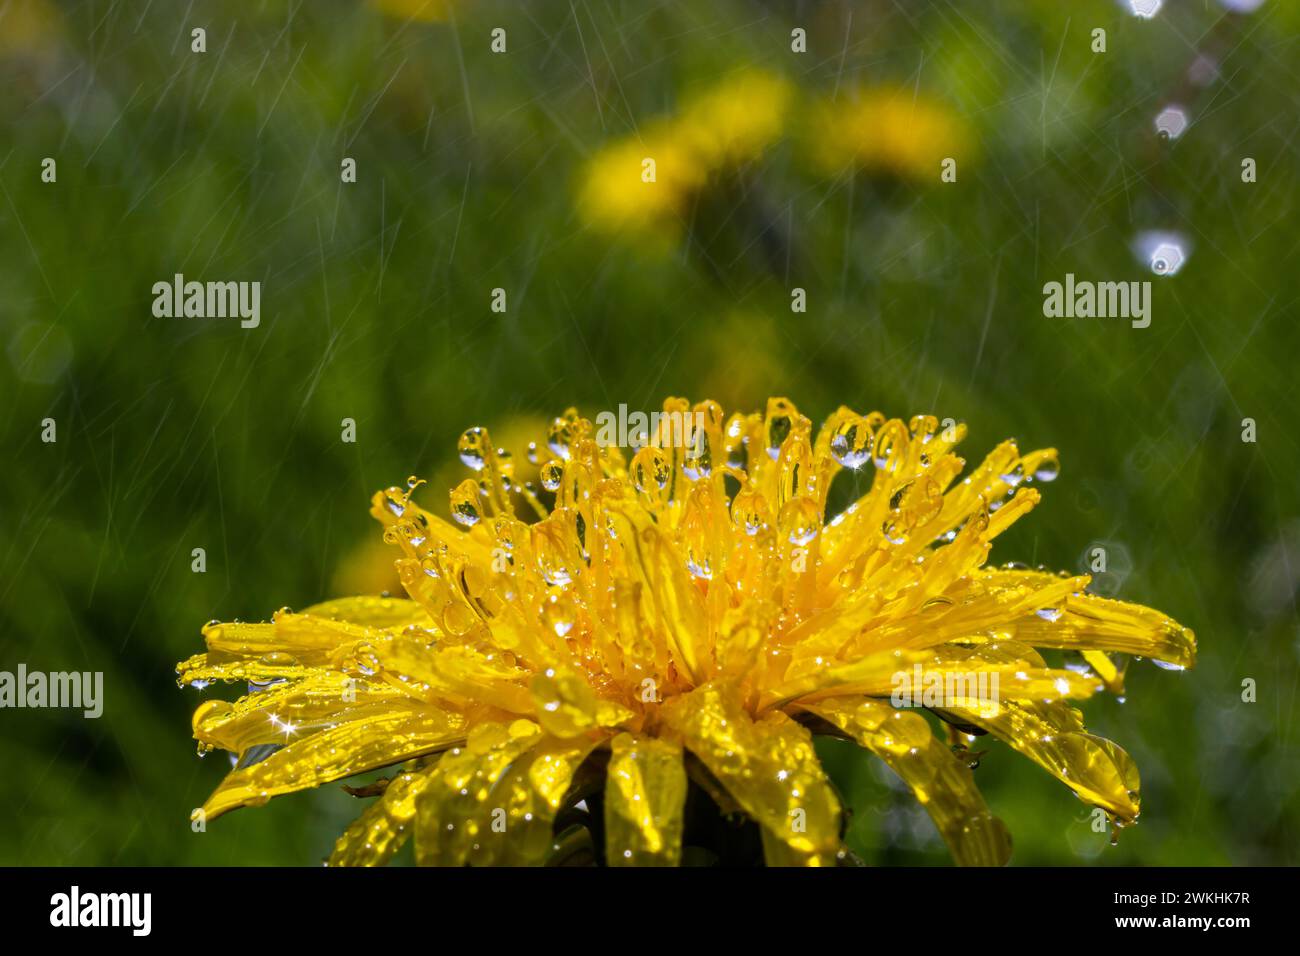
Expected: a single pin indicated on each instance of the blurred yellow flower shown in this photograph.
(616, 194)
(683, 621)
(885, 129)
(366, 569)
(735, 121)
(29, 26)
(647, 181)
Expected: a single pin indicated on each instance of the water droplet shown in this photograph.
(465, 503)
(734, 441)
(923, 427)
(365, 659)
(552, 475)
(1146, 9)
(778, 422)
(561, 434)
(698, 461)
(395, 501)
(552, 547)
(699, 566)
(650, 470)
(471, 447)
(800, 520)
(1171, 122)
(851, 443)
(1015, 476)
(1163, 252)
(891, 445)
(558, 614)
(894, 531)
(1047, 469)
(748, 510)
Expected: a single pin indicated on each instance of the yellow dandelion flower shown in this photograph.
(896, 131)
(671, 631)
(646, 182)
(736, 121)
(640, 184)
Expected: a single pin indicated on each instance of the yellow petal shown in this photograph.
(676, 601)
(983, 670)
(1051, 610)
(1111, 673)
(455, 820)
(645, 794)
(768, 766)
(202, 669)
(1053, 736)
(372, 838)
(568, 706)
(287, 712)
(456, 673)
(342, 751)
(938, 779)
(1088, 622)
(299, 638)
(372, 611)
(530, 793)
(740, 639)
(777, 852)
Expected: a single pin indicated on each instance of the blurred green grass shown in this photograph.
(922, 297)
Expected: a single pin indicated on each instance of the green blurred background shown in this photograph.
(922, 297)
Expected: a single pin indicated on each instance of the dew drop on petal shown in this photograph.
(800, 520)
(471, 445)
(650, 470)
(465, 503)
(1047, 469)
(552, 475)
(747, 510)
(851, 444)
